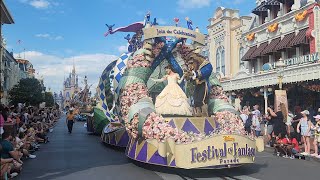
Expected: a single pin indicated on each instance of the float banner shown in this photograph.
(216, 151)
(159, 31)
(280, 97)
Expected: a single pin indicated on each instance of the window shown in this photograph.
(220, 60)
(305, 49)
(292, 53)
(265, 60)
(241, 54)
(274, 11)
(288, 4)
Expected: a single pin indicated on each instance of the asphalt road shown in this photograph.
(83, 156)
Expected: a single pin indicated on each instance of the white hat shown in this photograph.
(306, 112)
(317, 116)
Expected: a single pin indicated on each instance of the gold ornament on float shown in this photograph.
(301, 16)
(250, 36)
(273, 27)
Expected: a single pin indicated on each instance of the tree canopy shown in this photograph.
(49, 99)
(27, 91)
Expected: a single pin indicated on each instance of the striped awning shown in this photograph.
(300, 38)
(270, 48)
(258, 51)
(270, 3)
(285, 42)
(260, 9)
(246, 57)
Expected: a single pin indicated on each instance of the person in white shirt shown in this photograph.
(256, 120)
(244, 114)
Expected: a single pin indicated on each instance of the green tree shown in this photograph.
(27, 91)
(49, 99)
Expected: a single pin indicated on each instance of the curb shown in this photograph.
(308, 158)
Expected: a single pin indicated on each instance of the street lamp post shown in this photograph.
(280, 65)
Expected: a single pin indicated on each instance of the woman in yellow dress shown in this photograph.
(172, 100)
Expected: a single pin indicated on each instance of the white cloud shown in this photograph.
(43, 35)
(48, 36)
(40, 4)
(54, 68)
(58, 38)
(123, 49)
(192, 4)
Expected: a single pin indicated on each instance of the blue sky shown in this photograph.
(56, 33)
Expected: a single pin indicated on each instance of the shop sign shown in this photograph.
(159, 31)
(310, 58)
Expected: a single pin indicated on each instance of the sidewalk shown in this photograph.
(271, 149)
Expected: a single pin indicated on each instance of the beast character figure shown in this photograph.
(201, 70)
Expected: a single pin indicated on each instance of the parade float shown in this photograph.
(212, 136)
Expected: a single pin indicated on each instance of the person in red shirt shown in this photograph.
(281, 146)
(295, 149)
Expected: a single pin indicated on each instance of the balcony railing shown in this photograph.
(292, 74)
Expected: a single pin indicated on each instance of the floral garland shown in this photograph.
(301, 16)
(229, 123)
(251, 36)
(132, 128)
(155, 127)
(134, 92)
(131, 95)
(139, 60)
(216, 92)
(273, 27)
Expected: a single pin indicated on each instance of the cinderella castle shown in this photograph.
(70, 88)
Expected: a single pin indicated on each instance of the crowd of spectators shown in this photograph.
(27, 128)
(289, 133)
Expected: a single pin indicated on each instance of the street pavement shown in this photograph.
(82, 156)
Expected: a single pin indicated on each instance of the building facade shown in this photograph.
(11, 74)
(70, 88)
(282, 31)
(5, 18)
(225, 45)
(26, 68)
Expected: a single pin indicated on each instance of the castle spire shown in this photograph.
(74, 68)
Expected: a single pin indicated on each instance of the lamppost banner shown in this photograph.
(280, 98)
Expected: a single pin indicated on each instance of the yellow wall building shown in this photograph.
(225, 45)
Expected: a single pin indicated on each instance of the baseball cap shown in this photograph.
(306, 112)
(317, 116)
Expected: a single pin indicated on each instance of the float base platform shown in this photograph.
(220, 151)
(118, 137)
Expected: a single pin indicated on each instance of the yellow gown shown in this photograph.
(172, 100)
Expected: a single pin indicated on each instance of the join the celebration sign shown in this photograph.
(160, 31)
(218, 150)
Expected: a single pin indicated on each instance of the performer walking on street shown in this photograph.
(70, 120)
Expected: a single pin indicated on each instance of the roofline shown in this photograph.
(6, 13)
